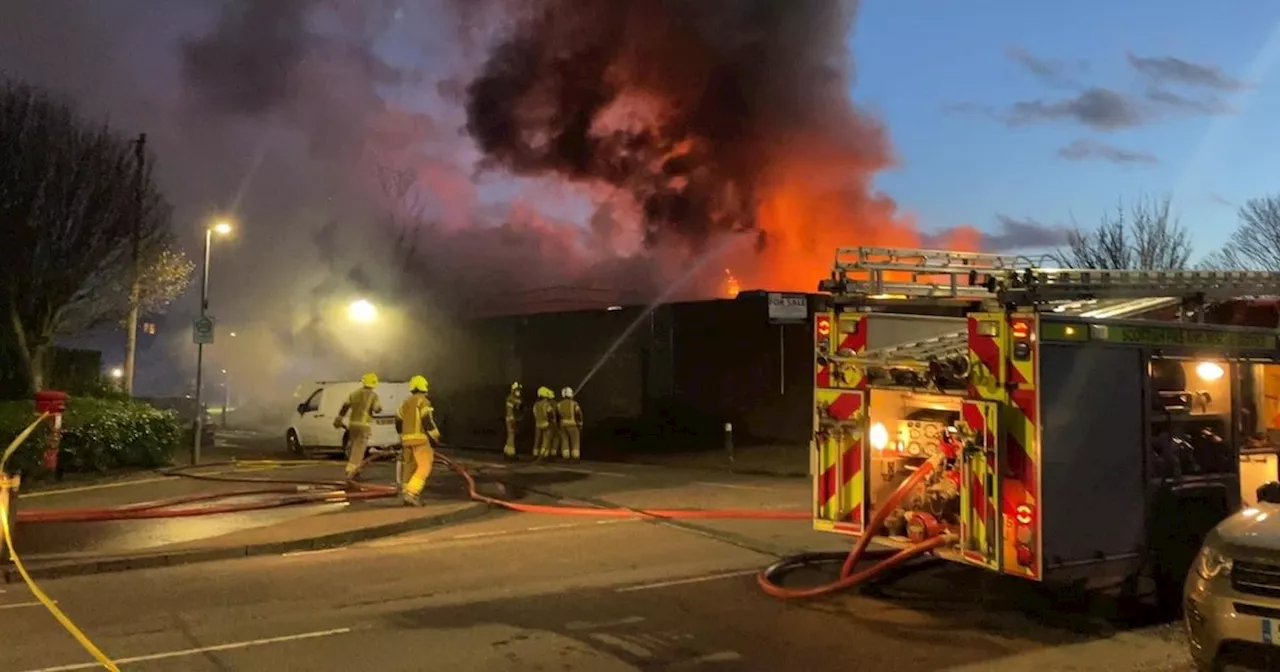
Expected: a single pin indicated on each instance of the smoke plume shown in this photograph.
(717, 117)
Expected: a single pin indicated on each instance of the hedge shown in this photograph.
(98, 435)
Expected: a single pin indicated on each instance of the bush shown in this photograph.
(98, 435)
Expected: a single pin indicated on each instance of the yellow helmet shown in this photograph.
(369, 379)
(546, 393)
(417, 384)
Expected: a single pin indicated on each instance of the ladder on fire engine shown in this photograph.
(1020, 280)
(940, 275)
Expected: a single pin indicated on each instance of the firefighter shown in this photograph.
(417, 426)
(570, 414)
(544, 421)
(363, 405)
(514, 404)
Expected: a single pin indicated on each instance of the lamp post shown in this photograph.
(226, 396)
(221, 228)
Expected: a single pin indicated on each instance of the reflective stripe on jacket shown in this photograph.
(417, 421)
(570, 412)
(544, 413)
(363, 404)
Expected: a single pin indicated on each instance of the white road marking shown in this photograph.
(682, 582)
(601, 625)
(592, 472)
(204, 649)
(717, 657)
(734, 486)
(620, 643)
(496, 533)
(100, 486)
(20, 605)
(294, 554)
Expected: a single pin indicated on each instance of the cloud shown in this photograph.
(1106, 109)
(1095, 107)
(1219, 200)
(1082, 149)
(1178, 103)
(1052, 71)
(1168, 69)
(1013, 234)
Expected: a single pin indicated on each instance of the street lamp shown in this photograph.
(117, 373)
(226, 396)
(221, 228)
(362, 311)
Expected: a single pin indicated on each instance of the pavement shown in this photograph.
(55, 549)
(514, 591)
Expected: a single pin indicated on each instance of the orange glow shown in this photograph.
(818, 197)
(731, 286)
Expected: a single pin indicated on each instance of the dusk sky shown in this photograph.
(1035, 112)
(1006, 116)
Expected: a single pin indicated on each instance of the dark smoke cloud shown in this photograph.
(680, 103)
(269, 61)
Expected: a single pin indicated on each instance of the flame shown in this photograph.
(731, 286)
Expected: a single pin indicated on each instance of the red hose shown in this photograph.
(849, 578)
(175, 507)
(178, 507)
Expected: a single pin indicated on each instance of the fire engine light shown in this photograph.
(879, 436)
(1209, 371)
(1023, 514)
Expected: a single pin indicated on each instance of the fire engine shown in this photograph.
(1074, 441)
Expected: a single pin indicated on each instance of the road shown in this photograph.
(537, 592)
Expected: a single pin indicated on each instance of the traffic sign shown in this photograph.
(202, 330)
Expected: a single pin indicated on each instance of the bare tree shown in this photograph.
(68, 206)
(1147, 235)
(1255, 244)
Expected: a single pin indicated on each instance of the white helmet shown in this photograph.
(567, 393)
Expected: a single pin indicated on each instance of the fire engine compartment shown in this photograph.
(905, 430)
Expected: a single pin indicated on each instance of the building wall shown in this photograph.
(668, 378)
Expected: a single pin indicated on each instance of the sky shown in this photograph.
(1017, 119)
(1003, 111)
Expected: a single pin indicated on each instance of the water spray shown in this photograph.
(671, 289)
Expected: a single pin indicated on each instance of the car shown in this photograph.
(311, 429)
(1231, 599)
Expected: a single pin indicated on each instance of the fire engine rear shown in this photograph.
(1067, 440)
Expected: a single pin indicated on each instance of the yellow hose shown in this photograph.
(49, 604)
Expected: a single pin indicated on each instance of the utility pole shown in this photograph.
(135, 264)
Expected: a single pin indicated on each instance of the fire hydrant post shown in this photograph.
(728, 440)
(54, 403)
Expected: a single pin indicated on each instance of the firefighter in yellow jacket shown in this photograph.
(544, 423)
(570, 414)
(363, 405)
(514, 404)
(417, 426)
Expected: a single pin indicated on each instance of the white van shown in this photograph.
(312, 427)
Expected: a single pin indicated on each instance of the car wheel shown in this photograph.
(346, 446)
(292, 444)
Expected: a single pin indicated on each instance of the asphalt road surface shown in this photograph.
(532, 592)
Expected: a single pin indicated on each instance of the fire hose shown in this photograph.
(299, 491)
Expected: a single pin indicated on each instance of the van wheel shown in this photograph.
(346, 446)
(292, 444)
